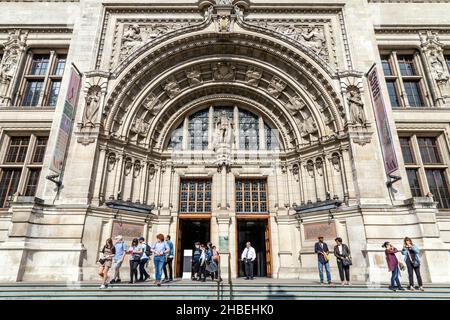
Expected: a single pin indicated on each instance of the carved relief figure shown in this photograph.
(140, 126)
(437, 64)
(252, 76)
(356, 106)
(92, 104)
(224, 71)
(131, 39)
(172, 88)
(276, 87)
(194, 77)
(295, 105)
(307, 127)
(152, 104)
(314, 38)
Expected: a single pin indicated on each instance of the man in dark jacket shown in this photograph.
(196, 252)
(322, 251)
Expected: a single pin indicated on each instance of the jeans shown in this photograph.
(394, 278)
(159, 263)
(248, 268)
(195, 269)
(133, 270)
(411, 275)
(327, 269)
(142, 273)
(344, 271)
(168, 265)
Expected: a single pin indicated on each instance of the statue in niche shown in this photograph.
(356, 106)
(131, 39)
(224, 24)
(223, 129)
(92, 105)
(437, 64)
(194, 77)
(252, 76)
(276, 87)
(224, 72)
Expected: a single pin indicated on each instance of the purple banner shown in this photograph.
(384, 132)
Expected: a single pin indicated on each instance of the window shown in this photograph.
(198, 131)
(42, 79)
(425, 167)
(248, 131)
(405, 82)
(21, 166)
(195, 196)
(251, 196)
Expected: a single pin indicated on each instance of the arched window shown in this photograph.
(247, 129)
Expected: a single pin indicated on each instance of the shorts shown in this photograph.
(117, 264)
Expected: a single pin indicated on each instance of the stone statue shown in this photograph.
(308, 127)
(224, 24)
(356, 106)
(437, 64)
(152, 104)
(314, 38)
(140, 126)
(223, 130)
(252, 76)
(224, 72)
(276, 87)
(295, 105)
(92, 105)
(194, 77)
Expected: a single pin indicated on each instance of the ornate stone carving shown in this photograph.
(194, 77)
(223, 130)
(12, 54)
(92, 105)
(137, 168)
(135, 35)
(112, 159)
(276, 87)
(253, 76)
(128, 166)
(152, 104)
(224, 71)
(356, 106)
(311, 36)
(172, 88)
(433, 52)
(307, 127)
(140, 126)
(295, 105)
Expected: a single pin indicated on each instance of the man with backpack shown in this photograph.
(146, 252)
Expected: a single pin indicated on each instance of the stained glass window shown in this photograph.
(248, 131)
(198, 130)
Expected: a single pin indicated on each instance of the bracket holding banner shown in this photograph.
(52, 178)
(393, 179)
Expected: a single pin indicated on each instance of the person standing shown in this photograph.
(143, 275)
(196, 253)
(168, 260)
(135, 252)
(321, 249)
(159, 249)
(216, 259)
(120, 252)
(343, 259)
(202, 263)
(412, 260)
(248, 256)
(392, 263)
(108, 253)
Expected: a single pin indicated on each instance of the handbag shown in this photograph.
(347, 261)
(401, 266)
(101, 260)
(326, 256)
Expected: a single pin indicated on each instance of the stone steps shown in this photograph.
(201, 291)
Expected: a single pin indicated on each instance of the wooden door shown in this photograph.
(178, 253)
(268, 251)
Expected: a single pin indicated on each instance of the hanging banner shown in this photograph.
(384, 132)
(65, 126)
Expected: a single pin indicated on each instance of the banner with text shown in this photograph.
(384, 132)
(65, 126)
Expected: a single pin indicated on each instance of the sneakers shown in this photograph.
(392, 288)
(113, 281)
(421, 289)
(102, 286)
(411, 288)
(401, 289)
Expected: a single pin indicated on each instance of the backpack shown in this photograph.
(148, 250)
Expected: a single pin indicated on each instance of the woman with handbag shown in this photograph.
(105, 261)
(412, 260)
(344, 260)
(135, 252)
(393, 265)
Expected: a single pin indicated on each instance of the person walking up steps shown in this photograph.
(135, 252)
(146, 250)
(120, 252)
(108, 253)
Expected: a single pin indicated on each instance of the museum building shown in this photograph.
(227, 121)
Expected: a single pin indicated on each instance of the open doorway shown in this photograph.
(257, 232)
(189, 232)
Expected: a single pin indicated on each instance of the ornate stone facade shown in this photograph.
(217, 94)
